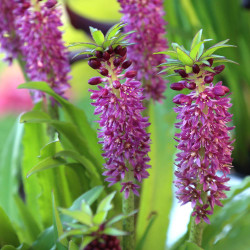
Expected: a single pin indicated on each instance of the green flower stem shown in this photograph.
(129, 222)
(196, 232)
(54, 113)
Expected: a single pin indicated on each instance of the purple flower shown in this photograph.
(204, 158)
(9, 41)
(122, 128)
(43, 48)
(146, 18)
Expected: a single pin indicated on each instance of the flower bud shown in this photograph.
(123, 51)
(177, 86)
(95, 80)
(106, 55)
(211, 61)
(94, 63)
(117, 62)
(182, 72)
(218, 69)
(191, 85)
(130, 74)
(50, 3)
(126, 64)
(104, 72)
(110, 50)
(98, 54)
(196, 69)
(208, 79)
(219, 90)
(116, 84)
(118, 49)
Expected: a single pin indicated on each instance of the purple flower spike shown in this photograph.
(146, 18)
(43, 49)
(122, 132)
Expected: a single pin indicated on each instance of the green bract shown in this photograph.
(90, 225)
(113, 37)
(180, 58)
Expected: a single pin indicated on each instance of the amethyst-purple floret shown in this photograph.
(145, 17)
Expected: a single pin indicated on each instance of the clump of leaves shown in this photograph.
(93, 227)
(102, 43)
(182, 59)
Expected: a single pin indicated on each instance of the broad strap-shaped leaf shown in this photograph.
(105, 204)
(170, 53)
(80, 216)
(114, 232)
(198, 49)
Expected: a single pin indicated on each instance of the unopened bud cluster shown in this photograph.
(122, 127)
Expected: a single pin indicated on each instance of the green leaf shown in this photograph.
(78, 118)
(7, 232)
(120, 217)
(30, 225)
(170, 53)
(80, 216)
(58, 229)
(73, 246)
(85, 45)
(141, 242)
(114, 232)
(99, 218)
(212, 49)
(113, 31)
(97, 35)
(197, 50)
(105, 204)
(86, 241)
(11, 155)
(161, 177)
(86, 208)
(196, 39)
(46, 163)
(208, 69)
(183, 57)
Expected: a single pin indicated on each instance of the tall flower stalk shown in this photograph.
(204, 158)
(122, 127)
(146, 18)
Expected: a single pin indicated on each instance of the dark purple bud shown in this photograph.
(116, 84)
(182, 72)
(95, 80)
(98, 54)
(211, 61)
(177, 86)
(94, 63)
(191, 85)
(110, 50)
(181, 99)
(118, 49)
(50, 3)
(196, 69)
(104, 72)
(218, 69)
(130, 74)
(219, 90)
(123, 51)
(25, 6)
(126, 64)
(208, 79)
(117, 62)
(106, 56)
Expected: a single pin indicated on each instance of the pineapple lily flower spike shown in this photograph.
(119, 103)
(204, 158)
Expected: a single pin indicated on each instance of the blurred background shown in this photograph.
(219, 19)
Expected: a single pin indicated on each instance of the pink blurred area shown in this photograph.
(13, 100)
